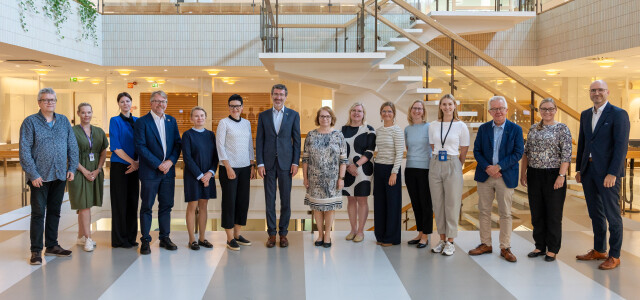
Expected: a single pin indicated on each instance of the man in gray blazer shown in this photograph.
(278, 156)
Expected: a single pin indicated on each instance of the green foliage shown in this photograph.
(58, 11)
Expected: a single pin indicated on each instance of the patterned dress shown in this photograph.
(361, 141)
(324, 153)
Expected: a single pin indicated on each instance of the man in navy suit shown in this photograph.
(278, 156)
(498, 148)
(600, 162)
(158, 146)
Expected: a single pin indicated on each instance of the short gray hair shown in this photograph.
(496, 98)
(159, 92)
(47, 91)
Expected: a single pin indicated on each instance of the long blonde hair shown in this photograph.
(455, 110)
(364, 113)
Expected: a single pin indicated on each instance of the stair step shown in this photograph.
(468, 113)
(399, 40)
(391, 67)
(413, 30)
(424, 91)
(408, 78)
(387, 49)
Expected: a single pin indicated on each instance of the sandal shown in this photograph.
(194, 246)
(205, 244)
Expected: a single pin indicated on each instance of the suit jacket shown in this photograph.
(607, 144)
(510, 153)
(149, 146)
(285, 145)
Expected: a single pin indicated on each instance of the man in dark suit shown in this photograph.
(278, 156)
(600, 162)
(498, 148)
(158, 146)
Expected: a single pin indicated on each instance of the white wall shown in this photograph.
(42, 37)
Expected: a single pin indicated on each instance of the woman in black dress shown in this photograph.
(200, 160)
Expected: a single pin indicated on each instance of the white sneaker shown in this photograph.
(449, 249)
(89, 245)
(438, 248)
(82, 240)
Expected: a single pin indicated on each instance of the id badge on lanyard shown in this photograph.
(442, 155)
(92, 157)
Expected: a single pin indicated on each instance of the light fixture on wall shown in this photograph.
(552, 72)
(124, 72)
(213, 72)
(41, 72)
(604, 62)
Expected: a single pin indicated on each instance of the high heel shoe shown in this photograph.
(327, 245)
(318, 243)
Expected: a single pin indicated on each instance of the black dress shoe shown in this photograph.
(318, 243)
(549, 258)
(242, 241)
(413, 242)
(168, 244)
(145, 249)
(421, 245)
(327, 245)
(194, 246)
(205, 244)
(533, 254)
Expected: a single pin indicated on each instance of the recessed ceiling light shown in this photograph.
(41, 72)
(86, 70)
(125, 72)
(165, 70)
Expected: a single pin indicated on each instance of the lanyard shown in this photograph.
(89, 137)
(445, 137)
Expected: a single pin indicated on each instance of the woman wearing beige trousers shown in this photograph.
(449, 138)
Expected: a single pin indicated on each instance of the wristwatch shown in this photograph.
(562, 175)
(341, 178)
(357, 165)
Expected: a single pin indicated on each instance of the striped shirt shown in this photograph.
(390, 144)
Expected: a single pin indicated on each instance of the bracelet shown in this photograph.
(562, 175)
(357, 165)
(341, 178)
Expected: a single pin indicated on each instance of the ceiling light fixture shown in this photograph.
(552, 72)
(125, 72)
(95, 81)
(41, 72)
(604, 62)
(213, 72)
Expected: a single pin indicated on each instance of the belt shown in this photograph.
(590, 160)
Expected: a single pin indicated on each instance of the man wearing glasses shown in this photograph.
(49, 157)
(600, 163)
(278, 156)
(158, 145)
(497, 149)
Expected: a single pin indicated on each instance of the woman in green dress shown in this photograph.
(86, 190)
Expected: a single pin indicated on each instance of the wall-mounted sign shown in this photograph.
(155, 85)
(73, 79)
(130, 85)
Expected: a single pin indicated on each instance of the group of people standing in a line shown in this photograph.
(334, 164)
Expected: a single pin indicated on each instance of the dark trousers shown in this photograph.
(387, 205)
(546, 206)
(417, 181)
(47, 198)
(283, 178)
(125, 192)
(164, 188)
(235, 196)
(603, 207)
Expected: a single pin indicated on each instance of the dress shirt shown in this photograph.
(596, 115)
(277, 118)
(161, 130)
(497, 139)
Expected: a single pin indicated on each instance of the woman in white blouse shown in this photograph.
(235, 151)
(449, 139)
(387, 181)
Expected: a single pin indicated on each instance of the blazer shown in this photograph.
(607, 144)
(149, 146)
(284, 145)
(510, 153)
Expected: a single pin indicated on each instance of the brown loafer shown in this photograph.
(610, 263)
(506, 253)
(271, 242)
(592, 255)
(284, 242)
(481, 249)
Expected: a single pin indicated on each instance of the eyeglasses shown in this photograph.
(495, 109)
(593, 91)
(278, 94)
(551, 109)
(159, 101)
(324, 117)
(235, 106)
(417, 108)
(48, 100)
